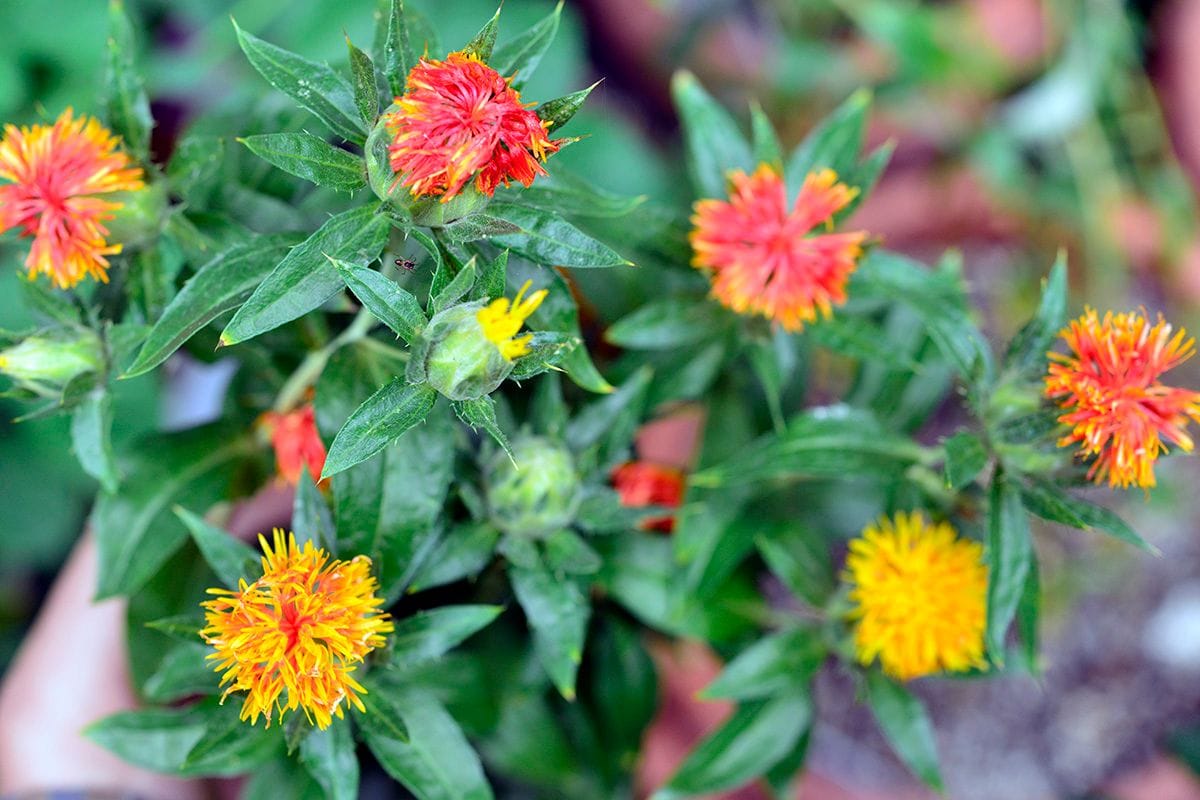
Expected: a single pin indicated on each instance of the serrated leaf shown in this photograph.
(91, 438)
(475, 227)
(305, 279)
(906, 726)
(481, 413)
(1027, 351)
(455, 290)
(315, 86)
(309, 157)
(520, 57)
(491, 280)
(1055, 504)
(546, 238)
(1009, 554)
(428, 635)
(362, 79)
(484, 41)
(965, 458)
(399, 53)
(559, 111)
(230, 558)
(715, 144)
(571, 196)
(219, 285)
(387, 300)
(377, 423)
(547, 349)
(558, 614)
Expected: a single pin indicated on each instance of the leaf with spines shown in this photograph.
(311, 158)
(481, 413)
(315, 86)
(1027, 351)
(482, 44)
(378, 422)
(715, 144)
(399, 53)
(387, 300)
(455, 290)
(559, 111)
(126, 104)
(520, 57)
(544, 237)
(363, 80)
(1055, 504)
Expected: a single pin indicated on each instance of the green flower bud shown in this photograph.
(140, 218)
(51, 361)
(536, 492)
(466, 351)
(430, 211)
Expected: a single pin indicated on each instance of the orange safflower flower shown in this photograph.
(919, 596)
(297, 443)
(460, 118)
(55, 177)
(759, 254)
(1108, 386)
(291, 639)
(644, 483)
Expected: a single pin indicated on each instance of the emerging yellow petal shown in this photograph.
(501, 319)
(919, 595)
(291, 639)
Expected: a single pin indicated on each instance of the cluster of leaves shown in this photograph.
(519, 654)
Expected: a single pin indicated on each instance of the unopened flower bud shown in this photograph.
(140, 218)
(467, 350)
(535, 492)
(51, 361)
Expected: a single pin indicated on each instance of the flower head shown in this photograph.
(291, 639)
(1108, 386)
(459, 119)
(297, 443)
(919, 595)
(644, 483)
(760, 255)
(501, 319)
(56, 176)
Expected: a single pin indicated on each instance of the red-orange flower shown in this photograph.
(55, 177)
(644, 483)
(459, 119)
(760, 255)
(297, 443)
(1109, 387)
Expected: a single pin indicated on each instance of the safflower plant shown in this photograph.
(477, 557)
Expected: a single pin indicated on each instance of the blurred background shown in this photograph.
(1022, 127)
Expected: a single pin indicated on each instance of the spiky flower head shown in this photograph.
(761, 256)
(919, 594)
(534, 492)
(292, 638)
(460, 119)
(644, 483)
(1109, 390)
(56, 177)
(296, 442)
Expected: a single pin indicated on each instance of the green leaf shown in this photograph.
(715, 145)
(219, 285)
(309, 157)
(428, 635)
(183, 672)
(566, 552)
(829, 442)
(547, 349)
(362, 78)
(158, 739)
(229, 746)
(858, 338)
(559, 111)
(1028, 611)
(965, 458)
(1053, 503)
(463, 553)
(770, 666)
(375, 424)
(91, 438)
(135, 531)
(483, 42)
(230, 558)
(399, 52)
(906, 726)
(305, 279)
(669, 324)
(127, 108)
(546, 238)
(474, 227)
(799, 558)
(181, 627)
(481, 413)
(613, 418)
(754, 739)
(520, 57)
(766, 142)
(436, 763)
(329, 757)
(280, 778)
(1009, 554)
(558, 613)
(383, 297)
(455, 290)
(1027, 351)
(315, 86)
(56, 306)
(571, 196)
(491, 281)
(832, 144)
(311, 519)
